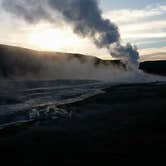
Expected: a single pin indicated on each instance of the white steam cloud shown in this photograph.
(84, 16)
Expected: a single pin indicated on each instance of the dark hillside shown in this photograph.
(15, 61)
(154, 67)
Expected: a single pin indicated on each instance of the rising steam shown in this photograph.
(84, 16)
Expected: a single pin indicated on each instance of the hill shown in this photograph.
(154, 67)
(21, 62)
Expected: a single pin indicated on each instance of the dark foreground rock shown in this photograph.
(127, 123)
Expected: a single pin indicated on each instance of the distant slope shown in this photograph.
(21, 62)
(154, 67)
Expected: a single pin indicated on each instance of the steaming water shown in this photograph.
(25, 101)
(29, 100)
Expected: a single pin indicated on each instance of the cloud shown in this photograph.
(85, 18)
(144, 27)
(141, 26)
(152, 50)
(153, 54)
(154, 57)
(133, 15)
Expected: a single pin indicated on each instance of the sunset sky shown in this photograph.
(142, 23)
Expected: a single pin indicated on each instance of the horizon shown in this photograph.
(88, 55)
(136, 25)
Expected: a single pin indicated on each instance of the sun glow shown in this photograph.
(45, 37)
(52, 39)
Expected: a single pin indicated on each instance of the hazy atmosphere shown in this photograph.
(142, 24)
(82, 78)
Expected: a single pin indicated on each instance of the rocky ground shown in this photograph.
(126, 122)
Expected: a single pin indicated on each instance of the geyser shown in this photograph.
(84, 16)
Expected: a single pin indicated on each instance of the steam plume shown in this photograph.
(85, 18)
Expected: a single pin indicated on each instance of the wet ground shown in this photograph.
(127, 122)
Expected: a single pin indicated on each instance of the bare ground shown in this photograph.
(126, 123)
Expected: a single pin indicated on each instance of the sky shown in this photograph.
(128, 4)
(142, 23)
